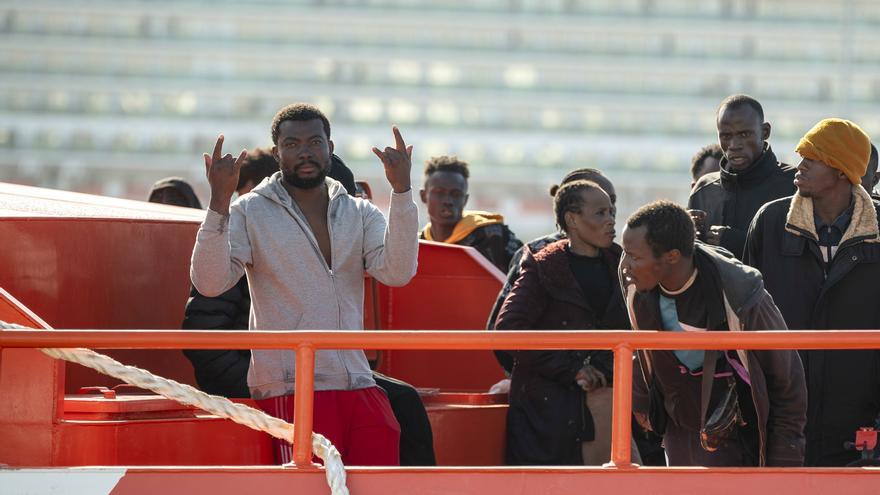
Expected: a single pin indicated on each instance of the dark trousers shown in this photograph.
(416, 437)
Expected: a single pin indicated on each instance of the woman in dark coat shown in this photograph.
(570, 284)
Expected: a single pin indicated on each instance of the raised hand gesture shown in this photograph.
(398, 163)
(222, 172)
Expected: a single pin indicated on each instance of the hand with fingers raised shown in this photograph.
(222, 172)
(398, 163)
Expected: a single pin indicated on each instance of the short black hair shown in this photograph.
(740, 100)
(713, 150)
(668, 226)
(258, 164)
(446, 163)
(568, 198)
(590, 174)
(298, 112)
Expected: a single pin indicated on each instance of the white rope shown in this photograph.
(219, 406)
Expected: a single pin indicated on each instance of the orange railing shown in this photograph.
(623, 343)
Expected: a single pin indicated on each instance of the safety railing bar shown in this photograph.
(306, 342)
(473, 340)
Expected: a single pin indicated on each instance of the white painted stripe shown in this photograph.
(71, 481)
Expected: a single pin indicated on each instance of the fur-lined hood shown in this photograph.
(863, 227)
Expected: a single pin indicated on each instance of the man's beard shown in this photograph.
(305, 182)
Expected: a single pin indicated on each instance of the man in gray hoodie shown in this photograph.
(304, 245)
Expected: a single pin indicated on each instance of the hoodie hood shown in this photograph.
(273, 189)
(471, 220)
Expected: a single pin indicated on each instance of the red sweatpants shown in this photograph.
(360, 424)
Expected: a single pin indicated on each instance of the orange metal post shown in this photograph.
(303, 406)
(621, 424)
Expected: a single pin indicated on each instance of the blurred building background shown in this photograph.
(108, 96)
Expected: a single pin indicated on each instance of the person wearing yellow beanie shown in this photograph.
(445, 193)
(840, 144)
(818, 253)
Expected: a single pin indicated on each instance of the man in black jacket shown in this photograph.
(819, 251)
(445, 193)
(750, 176)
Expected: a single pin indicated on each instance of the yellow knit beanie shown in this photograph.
(840, 144)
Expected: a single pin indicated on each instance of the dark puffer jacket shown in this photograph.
(843, 386)
(340, 171)
(505, 358)
(733, 198)
(548, 420)
(220, 372)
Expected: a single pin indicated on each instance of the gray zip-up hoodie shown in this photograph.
(267, 237)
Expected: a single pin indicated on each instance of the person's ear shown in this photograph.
(569, 218)
(671, 257)
(275, 154)
(765, 131)
(424, 195)
(330, 144)
(466, 197)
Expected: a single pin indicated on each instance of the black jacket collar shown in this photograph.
(554, 271)
(756, 173)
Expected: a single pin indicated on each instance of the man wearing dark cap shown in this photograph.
(174, 191)
(726, 201)
(819, 251)
(872, 176)
(445, 194)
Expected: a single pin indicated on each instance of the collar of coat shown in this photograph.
(755, 173)
(555, 255)
(554, 270)
(470, 221)
(862, 228)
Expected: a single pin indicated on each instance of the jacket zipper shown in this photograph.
(339, 353)
(314, 243)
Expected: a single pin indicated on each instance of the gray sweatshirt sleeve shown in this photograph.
(391, 251)
(221, 252)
